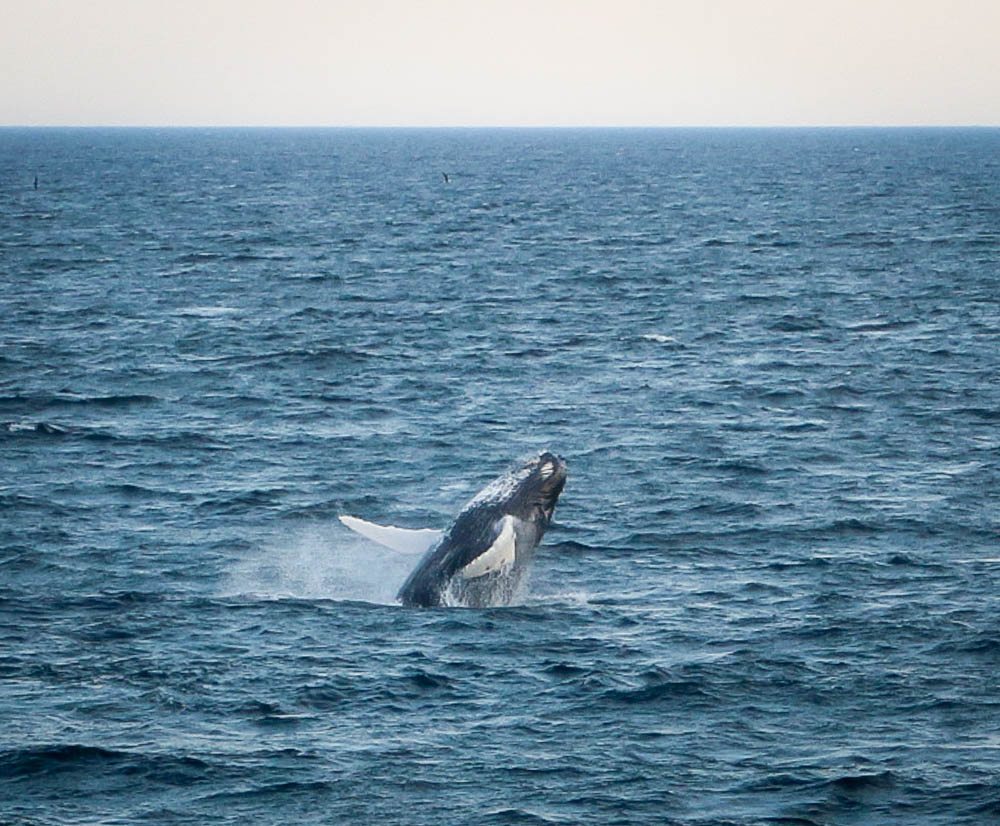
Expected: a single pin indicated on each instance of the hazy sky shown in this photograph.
(485, 62)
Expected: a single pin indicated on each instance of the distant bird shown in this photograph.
(446, 178)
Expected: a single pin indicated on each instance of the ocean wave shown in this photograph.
(23, 763)
(34, 429)
(769, 360)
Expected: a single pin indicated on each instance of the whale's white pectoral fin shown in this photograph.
(498, 555)
(399, 539)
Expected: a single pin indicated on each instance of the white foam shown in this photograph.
(206, 312)
(573, 599)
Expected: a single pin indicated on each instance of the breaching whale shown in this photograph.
(482, 557)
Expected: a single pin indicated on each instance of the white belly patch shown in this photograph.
(497, 556)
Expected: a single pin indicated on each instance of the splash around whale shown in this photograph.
(481, 559)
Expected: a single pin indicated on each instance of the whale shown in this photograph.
(482, 558)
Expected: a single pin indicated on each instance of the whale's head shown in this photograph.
(528, 492)
(535, 499)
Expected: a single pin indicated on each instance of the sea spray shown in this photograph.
(319, 561)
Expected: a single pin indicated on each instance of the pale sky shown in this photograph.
(491, 63)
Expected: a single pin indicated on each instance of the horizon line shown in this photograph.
(475, 126)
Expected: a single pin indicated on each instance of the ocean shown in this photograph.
(769, 357)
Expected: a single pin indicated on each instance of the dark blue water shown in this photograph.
(770, 358)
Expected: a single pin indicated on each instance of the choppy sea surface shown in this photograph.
(770, 359)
